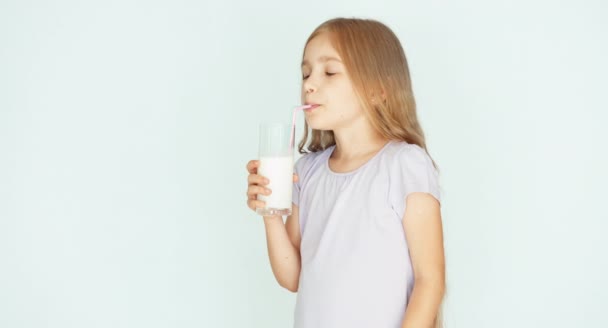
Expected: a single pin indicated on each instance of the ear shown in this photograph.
(382, 97)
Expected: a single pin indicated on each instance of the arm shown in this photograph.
(424, 234)
(283, 241)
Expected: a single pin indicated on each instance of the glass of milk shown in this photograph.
(276, 164)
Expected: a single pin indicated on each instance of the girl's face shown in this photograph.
(326, 83)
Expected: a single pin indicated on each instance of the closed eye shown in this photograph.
(326, 73)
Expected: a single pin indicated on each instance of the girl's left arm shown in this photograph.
(424, 234)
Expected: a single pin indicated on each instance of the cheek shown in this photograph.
(346, 91)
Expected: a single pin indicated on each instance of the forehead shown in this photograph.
(320, 49)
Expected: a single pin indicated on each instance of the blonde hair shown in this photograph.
(377, 67)
(376, 64)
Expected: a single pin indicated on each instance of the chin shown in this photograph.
(316, 125)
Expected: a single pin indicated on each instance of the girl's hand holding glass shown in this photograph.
(257, 185)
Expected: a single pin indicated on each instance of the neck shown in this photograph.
(357, 141)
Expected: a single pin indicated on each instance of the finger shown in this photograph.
(254, 190)
(252, 166)
(295, 178)
(253, 204)
(257, 179)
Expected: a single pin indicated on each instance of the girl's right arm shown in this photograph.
(282, 239)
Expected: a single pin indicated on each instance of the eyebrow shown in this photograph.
(321, 59)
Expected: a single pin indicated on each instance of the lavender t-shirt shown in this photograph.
(356, 269)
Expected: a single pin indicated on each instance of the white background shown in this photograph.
(125, 128)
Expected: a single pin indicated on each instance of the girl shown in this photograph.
(364, 244)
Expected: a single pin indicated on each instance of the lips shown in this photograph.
(312, 106)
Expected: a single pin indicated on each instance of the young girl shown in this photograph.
(364, 244)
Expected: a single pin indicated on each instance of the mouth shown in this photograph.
(312, 107)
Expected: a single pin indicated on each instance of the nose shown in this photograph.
(309, 86)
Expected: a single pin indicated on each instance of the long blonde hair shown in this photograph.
(378, 69)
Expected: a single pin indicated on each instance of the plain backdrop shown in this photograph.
(125, 128)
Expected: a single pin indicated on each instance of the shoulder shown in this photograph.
(401, 153)
(411, 169)
(311, 161)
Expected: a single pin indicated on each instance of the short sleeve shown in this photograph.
(297, 169)
(412, 171)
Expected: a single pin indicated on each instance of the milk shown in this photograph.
(279, 171)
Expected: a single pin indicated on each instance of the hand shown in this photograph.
(257, 185)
